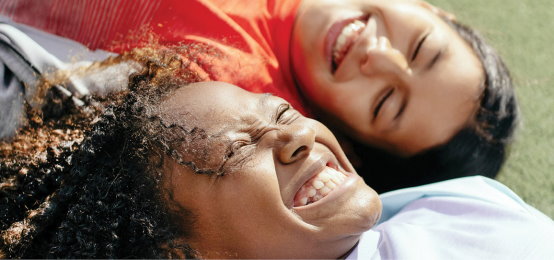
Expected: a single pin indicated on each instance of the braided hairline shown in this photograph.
(181, 137)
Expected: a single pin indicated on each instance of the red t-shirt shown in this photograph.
(249, 40)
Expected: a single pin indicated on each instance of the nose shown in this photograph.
(295, 143)
(382, 59)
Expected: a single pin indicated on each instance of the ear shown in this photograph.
(437, 11)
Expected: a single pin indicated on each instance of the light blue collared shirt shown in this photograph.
(466, 218)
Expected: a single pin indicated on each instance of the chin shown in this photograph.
(363, 211)
(351, 218)
(336, 249)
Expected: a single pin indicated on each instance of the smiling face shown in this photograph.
(391, 72)
(286, 189)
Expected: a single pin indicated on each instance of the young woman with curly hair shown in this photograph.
(173, 169)
(411, 89)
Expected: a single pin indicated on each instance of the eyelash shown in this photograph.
(418, 47)
(281, 110)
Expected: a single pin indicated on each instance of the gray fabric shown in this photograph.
(49, 53)
(37, 57)
(11, 102)
(26, 54)
(64, 49)
(15, 73)
(16, 66)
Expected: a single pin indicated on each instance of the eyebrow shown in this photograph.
(264, 100)
(261, 104)
(264, 104)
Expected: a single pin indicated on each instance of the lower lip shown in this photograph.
(343, 188)
(331, 38)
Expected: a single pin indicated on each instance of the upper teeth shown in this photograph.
(341, 45)
(319, 186)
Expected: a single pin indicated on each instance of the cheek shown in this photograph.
(434, 122)
(309, 66)
(250, 208)
(253, 188)
(312, 77)
(303, 49)
(350, 103)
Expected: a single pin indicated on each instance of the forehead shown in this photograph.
(201, 120)
(214, 106)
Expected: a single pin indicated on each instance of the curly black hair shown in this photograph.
(90, 187)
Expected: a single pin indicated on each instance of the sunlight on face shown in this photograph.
(286, 183)
(392, 72)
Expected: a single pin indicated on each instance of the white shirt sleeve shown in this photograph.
(467, 218)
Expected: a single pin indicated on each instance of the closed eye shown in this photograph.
(381, 102)
(286, 114)
(418, 47)
(258, 128)
(281, 110)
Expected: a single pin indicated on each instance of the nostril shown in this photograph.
(298, 151)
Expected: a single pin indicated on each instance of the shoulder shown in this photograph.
(475, 216)
(475, 188)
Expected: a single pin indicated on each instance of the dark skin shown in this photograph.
(251, 209)
(220, 172)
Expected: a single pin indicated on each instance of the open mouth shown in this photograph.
(319, 185)
(347, 36)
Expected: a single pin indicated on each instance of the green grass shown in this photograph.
(523, 33)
